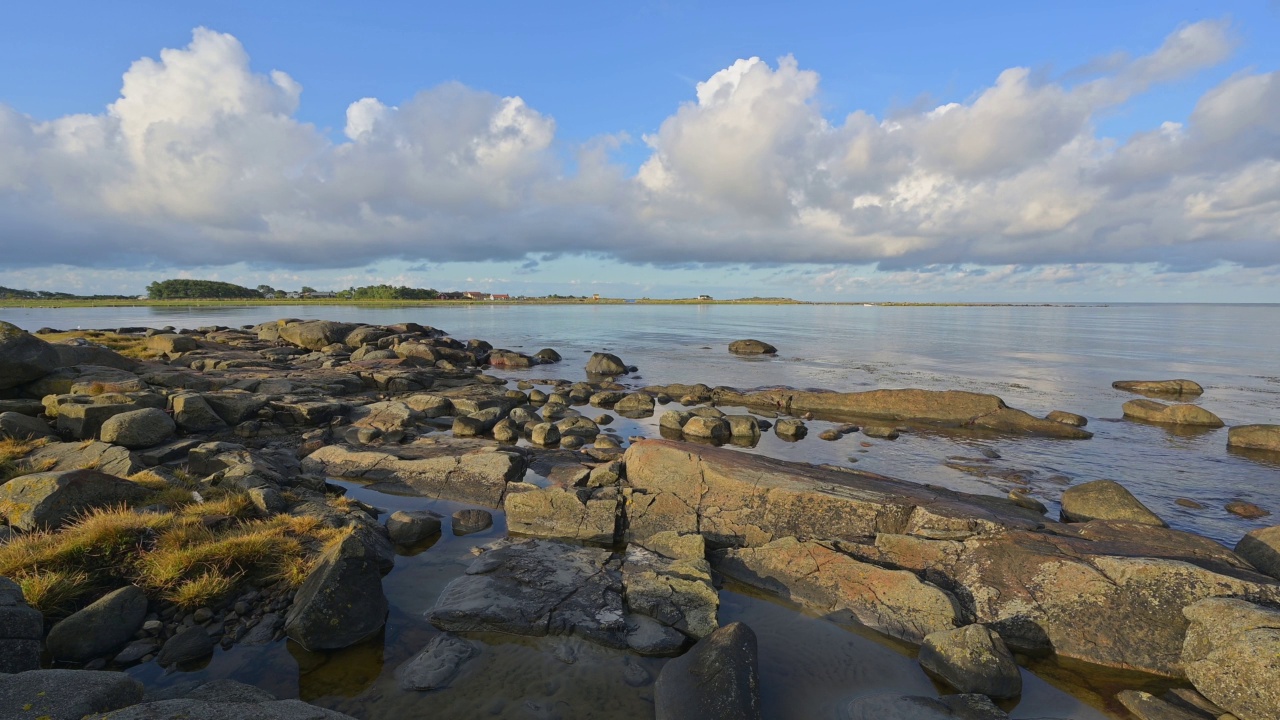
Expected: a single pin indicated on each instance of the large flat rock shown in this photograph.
(469, 472)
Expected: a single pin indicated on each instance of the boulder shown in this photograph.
(66, 694)
(316, 334)
(341, 602)
(790, 429)
(437, 664)
(1255, 437)
(21, 628)
(510, 359)
(743, 426)
(894, 602)
(1232, 656)
(111, 459)
(606, 364)
(23, 356)
(192, 413)
(235, 407)
(470, 521)
(1182, 414)
(447, 470)
(190, 643)
(715, 429)
(410, 527)
(585, 514)
(677, 592)
(751, 347)
(23, 427)
(1105, 500)
(1261, 548)
(941, 408)
(138, 429)
(718, 679)
(98, 629)
(365, 334)
(635, 405)
(972, 659)
(1159, 387)
(83, 420)
(544, 434)
(172, 344)
(70, 355)
(49, 500)
(548, 355)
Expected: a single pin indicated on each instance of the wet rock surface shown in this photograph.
(718, 678)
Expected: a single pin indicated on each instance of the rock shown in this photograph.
(341, 602)
(1159, 387)
(467, 426)
(751, 347)
(578, 426)
(972, 659)
(605, 398)
(191, 643)
(65, 694)
(1021, 499)
(882, 432)
(949, 408)
(136, 650)
(437, 664)
(23, 356)
(430, 406)
(676, 592)
(316, 334)
(718, 679)
(674, 419)
(547, 355)
(1246, 510)
(635, 405)
(363, 335)
(715, 429)
(1146, 706)
(506, 431)
(111, 459)
(1255, 437)
(510, 359)
(172, 344)
(606, 364)
(915, 707)
(677, 546)
(23, 427)
(574, 513)
(1157, 412)
(193, 414)
(790, 428)
(138, 428)
(49, 500)
(1261, 548)
(537, 588)
(544, 434)
(448, 470)
(1067, 418)
(83, 421)
(743, 426)
(894, 602)
(1105, 500)
(21, 629)
(267, 500)
(99, 628)
(471, 521)
(830, 434)
(1232, 656)
(410, 527)
(72, 355)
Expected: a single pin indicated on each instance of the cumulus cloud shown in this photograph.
(202, 161)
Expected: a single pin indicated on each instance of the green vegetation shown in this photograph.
(13, 294)
(199, 289)
(387, 292)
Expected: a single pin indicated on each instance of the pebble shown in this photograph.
(203, 615)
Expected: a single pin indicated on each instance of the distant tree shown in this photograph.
(308, 290)
(389, 292)
(266, 290)
(183, 289)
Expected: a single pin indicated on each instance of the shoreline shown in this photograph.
(322, 302)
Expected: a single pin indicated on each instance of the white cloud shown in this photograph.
(201, 161)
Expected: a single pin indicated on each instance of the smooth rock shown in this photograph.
(606, 364)
(194, 415)
(23, 356)
(65, 694)
(1232, 656)
(1182, 414)
(191, 643)
(1159, 387)
(437, 664)
(1105, 500)
(470, 521)
(585, 514)
(751, 347)
(790, 428)
(1255, 437)
(1067, 418)
(138, 429)
(49, 500)
(1261, 548)
(410, 527)
(341, 602)
(101, 627)
(710, 428)
(23, 427)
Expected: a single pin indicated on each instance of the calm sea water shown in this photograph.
(1036, 358)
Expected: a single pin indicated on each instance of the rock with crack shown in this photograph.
(676, 592)
(573, 513)
(894, 602)
(469, 472)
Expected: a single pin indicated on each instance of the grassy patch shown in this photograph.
(133, 346)
(13, 452)
(191, 554)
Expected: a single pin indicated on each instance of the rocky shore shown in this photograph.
(177, 498)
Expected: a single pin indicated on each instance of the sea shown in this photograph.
(1037, 358)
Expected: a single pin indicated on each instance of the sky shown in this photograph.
(843, 151)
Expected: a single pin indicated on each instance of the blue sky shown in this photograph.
(615, 86)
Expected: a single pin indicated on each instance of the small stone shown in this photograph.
(1186, 503)
(1246, 510)
(471, 520)
(410, 527)
(202, 616)
(831, 434)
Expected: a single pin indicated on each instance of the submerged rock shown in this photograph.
(718, 679)
(471, 520)
(972, 659)
(1159, 387)
(1255, 437)
(1183, 414)
(1067, 418)
(915, 707)
(437, 664)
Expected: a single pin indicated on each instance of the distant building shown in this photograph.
(473, 295)
(704, 297)
(596, 296)
(499, 297)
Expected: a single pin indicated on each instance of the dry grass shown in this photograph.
(128, 345)
(173, 555)
(13, 452)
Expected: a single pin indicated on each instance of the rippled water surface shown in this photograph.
(1036, 358)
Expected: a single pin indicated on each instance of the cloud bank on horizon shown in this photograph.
(201, 162)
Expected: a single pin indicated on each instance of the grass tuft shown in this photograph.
(13, 462)
(53, 592)
(202, 590)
